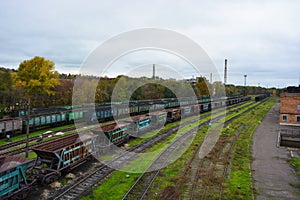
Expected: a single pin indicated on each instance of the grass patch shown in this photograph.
(114, 187)
(239, 183)
(117, 185)
(240, 173)
(295, 162)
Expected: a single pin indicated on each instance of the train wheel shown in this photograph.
(19, 196)
(50, 179)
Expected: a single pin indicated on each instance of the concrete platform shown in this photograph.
(272, 174)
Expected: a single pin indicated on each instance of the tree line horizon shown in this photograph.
(37, 79)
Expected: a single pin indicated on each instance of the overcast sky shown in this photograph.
(259, 38)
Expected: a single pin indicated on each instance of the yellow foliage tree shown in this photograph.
(35, 76)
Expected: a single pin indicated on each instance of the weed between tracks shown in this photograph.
(117, 184)
(171, 177)
(238, 184)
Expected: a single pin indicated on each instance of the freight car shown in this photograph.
(138, 124)
(62, 154)
(107, 111)
(10, 126)
(261, 97)
(158, 118)
(116, 133)
(13, 181)
(173, 114)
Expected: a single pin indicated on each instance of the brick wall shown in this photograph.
(289, 107)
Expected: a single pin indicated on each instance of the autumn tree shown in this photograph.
(6, 94)
(202, 87)
(35, 76)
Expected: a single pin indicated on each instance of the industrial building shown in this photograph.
(290, 107)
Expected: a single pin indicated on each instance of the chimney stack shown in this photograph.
(153, 71)
(225, 72)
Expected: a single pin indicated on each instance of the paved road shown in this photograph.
(272, 174)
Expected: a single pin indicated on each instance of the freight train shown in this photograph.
(57, 156)
(56, 116)
(19, 175)
(261, 97)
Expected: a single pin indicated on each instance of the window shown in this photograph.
(284, 118)
(298, 118)
(298, 106)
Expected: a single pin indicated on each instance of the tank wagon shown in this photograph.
(62, 154)
(13, 181)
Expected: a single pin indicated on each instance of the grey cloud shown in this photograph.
(259, 38)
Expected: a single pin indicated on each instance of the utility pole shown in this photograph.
(27, 128)
(245, 76)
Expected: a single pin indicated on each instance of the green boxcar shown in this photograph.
(144, 108)
(75, 115)
(43, 120)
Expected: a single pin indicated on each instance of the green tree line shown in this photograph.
(36, 78)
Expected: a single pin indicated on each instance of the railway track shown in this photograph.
(143, 183)
(19, 147)
(85, 185)
(207, 175)
(4, 149)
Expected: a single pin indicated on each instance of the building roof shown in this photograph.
(293, 89)
(290, 95)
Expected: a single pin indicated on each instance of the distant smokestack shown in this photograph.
(210, 78)
(153, 71)
(225, 72)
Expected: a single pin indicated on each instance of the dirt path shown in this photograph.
(271, 172)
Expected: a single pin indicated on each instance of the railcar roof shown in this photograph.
(9, 162)
(58, 144)
(111, 127)
(137, 118)
(157, 113)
